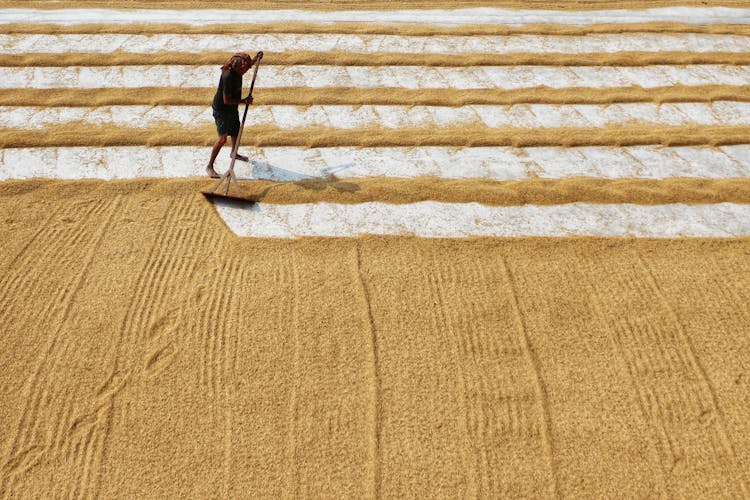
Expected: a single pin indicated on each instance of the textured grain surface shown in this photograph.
(148, 351)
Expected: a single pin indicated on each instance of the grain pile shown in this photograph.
(148, 351)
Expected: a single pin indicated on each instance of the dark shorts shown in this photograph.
(227, 122)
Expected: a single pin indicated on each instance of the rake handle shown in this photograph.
(244, 115)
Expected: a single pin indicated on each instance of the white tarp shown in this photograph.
(440, 17)
(392, 117)
(290, 164)
(410, 77)
(364, 44)
(430, 219)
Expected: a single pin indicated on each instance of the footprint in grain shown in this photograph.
(165, 325)
(161, 333)
(160, 359)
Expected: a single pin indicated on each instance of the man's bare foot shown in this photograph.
(212, 173)
(240, 157)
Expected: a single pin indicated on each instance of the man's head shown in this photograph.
(240, 62)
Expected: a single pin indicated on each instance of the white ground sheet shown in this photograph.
(456, 220)
(351, 117)
(289, 164)
(146, 44)
(688, 15)
(411, 77)
(428, 219)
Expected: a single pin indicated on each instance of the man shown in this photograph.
(228, 96)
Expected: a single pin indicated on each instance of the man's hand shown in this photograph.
(248, 100)
(259, 55)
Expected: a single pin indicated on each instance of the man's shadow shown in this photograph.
(265, 171)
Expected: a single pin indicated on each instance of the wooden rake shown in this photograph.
(216, 191)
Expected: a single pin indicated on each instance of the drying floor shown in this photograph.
(148, 352)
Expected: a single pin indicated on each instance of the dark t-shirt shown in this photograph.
(229, 83)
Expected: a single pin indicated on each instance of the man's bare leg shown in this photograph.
(239, 156)
(214, 153)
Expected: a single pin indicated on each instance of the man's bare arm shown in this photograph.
(229, 101)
